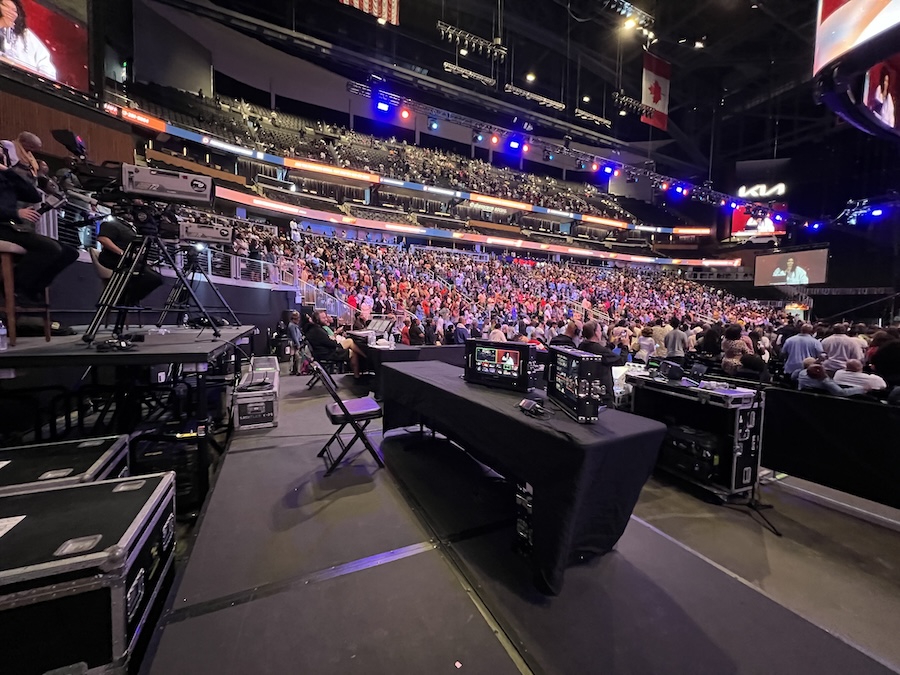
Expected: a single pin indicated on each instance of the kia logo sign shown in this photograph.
(762, 191)
(198, 185)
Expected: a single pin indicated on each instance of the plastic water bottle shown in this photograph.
(4, 338)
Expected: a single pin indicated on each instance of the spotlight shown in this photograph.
(699, 44)
(617, 173)
(530, 77)
(463, 52)
(548, 156)
(595, 166)
(580, 165)
(629, 24)
(679, 189)
(816, 226)
(382, 106)
(432, 124)
(585, 99)
(686, 192)
(877, 212)
(382, 21)
(514, 145)
(405, 114)
(734, 205)
(779, 217)
(199, 246)
(477, 137)
(495, 139)
(622, 113)
(607, 169)
(664, 187)
(525, 147)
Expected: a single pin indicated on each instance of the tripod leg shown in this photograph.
(225, 305)
(134, 256)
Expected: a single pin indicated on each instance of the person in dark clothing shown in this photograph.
(416, 334)
(324, 348)
(710, 343)
(593, 344)
(44, 258)
(114, 236)
(753, 367)
(475, 331)
(567, 338)
(430, 336)
(461, 334)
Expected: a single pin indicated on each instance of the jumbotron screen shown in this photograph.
(41, 37)
(845, 25)
(880, 91)
(800, 268)
(747, 225)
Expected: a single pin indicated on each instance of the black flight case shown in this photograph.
(26, 468)
(80, 571)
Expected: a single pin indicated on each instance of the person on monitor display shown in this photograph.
(594, 343)
(791, 274)
(19, 44)
(884, 100)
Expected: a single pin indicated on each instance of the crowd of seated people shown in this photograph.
(252, 126)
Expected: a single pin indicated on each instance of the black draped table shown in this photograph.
(586, 478)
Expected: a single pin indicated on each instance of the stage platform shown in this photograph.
(409, 569)
(177, 345)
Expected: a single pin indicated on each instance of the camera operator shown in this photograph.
(114, 236)
(44, 257)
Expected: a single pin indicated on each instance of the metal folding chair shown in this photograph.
(356, 413)
(330, 367)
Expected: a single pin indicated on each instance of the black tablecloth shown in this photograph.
(454, 354)
(586, 479)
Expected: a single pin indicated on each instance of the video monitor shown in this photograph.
(497, 361)
(574, 383)
(800, 268)
(880, 90)
(748, 225)
(46, 38)
(845, 25)
(508, 365)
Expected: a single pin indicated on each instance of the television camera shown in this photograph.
(137, 191)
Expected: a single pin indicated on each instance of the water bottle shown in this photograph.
(4, 339)
(392, 342)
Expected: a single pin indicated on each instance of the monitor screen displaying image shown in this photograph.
(41, 37)
(845, 25)
(800, 268)
(497, 361)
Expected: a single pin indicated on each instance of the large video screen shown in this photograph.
(882, 86)
(844, 25)
(747, 225)
(46, 38)
(800, 268)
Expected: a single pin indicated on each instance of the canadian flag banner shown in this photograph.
(389, 10)
(657, 74)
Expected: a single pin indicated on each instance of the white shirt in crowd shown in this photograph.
(871, 382)
(840, 348)
(496, 335)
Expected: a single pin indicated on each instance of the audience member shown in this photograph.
(853, 376)
(799, 347)
(816, 378)
(840, 348)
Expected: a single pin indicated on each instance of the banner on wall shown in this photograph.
(389, 10)
(657, 76)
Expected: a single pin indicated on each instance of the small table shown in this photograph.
(585, 478)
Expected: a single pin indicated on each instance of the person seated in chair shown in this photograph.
(114, 236)
(854, 375)
(816, 378)
(44, 257)
(325, 348)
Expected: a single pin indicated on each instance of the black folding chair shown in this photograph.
(356, 413)
(330, 367)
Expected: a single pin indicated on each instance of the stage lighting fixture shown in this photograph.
(664, 187)
(629, 24)
(686, 191)
(617, 173)
(530, 77)
(405, 114)
(877, 212)
(525, 147)
(699, 44)
(477, 137)
(679, 189)
(595, 166)
(607, 169)
(514, 145)
(382, 21)
(382, 106)
(432, 124)
(779, 217)
(580, 165)
(585, 99)
(622, 113)
(816, 226)
(734, 205)
(495, 139)
(463, 52)
(548, 156)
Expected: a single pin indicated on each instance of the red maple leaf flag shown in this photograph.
(657, 74)
(389, 10)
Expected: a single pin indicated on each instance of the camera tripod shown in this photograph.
(134, 260)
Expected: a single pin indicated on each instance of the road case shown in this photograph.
(81, 569)
(26, 468)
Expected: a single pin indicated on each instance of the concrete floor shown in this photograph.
(839, 572)
(835, 570)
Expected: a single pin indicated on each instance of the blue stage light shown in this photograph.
(382, 106)
(607, 169)
(514, 145)
(877, 212)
